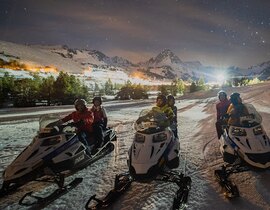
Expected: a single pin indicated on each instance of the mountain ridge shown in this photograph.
(164, 65)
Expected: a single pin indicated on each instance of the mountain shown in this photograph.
(165, 66)
(165, 58)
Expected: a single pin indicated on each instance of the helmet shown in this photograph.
(170, 97)
(97, 98)
(222, 92)
(234, 98)
(80, 102)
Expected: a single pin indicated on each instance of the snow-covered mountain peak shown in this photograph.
(121, 61)
(99, 55)
(166, 57)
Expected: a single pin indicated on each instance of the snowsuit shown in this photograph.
(100, 124)
(86, 128)
(235, 112)
(174, 122)
(221, 108)
(167, 110)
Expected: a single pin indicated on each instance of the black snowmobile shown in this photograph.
(154, 152)
(243, 147)
(54, 153)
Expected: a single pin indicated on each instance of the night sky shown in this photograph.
(216, 32)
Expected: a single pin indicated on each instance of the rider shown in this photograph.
(236, 109)
(162, 106)
(100, 120)
(171, 103)
(221, 107)
(82, 117)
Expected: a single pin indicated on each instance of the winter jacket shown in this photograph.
(222, 108)
(167, 110)
(100, 115)
(235, 112)
(87, 117)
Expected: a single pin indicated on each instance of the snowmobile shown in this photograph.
(152, 155)
(54, 153)
(243, 146)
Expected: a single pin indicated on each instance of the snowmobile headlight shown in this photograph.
(239, 132)
(258, 130)
(159, 137)
(139, 138)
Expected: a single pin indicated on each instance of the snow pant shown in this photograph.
(98, 134)
(175, 132)
(84, 138)
(174, 129)
(219, 129)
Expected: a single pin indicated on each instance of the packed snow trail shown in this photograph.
(199, 158)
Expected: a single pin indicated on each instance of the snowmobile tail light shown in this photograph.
(139, 138)
(239, 132)
(258, 130)
(159, 137)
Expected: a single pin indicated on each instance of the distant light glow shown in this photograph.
(220, 78)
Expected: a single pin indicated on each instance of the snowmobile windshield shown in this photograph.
(45, 120)
(252, 118)
(151, 121)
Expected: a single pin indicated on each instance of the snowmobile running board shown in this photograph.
(123, 182)
(42, 202)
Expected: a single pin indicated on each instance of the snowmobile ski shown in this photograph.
(184, 184)
(231, 190)
(122, 183)
(42, 202)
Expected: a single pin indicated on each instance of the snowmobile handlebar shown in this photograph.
(55, 128)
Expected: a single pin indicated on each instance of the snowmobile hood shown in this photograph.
(152, 150)
(39, 151)
(251, 143)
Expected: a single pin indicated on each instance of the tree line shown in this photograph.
(65, 88)
(37, 90)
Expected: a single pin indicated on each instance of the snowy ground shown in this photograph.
(199, 158)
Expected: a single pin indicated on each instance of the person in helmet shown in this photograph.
(221, 107)
(162, 106)
(83, 118)
(100, 120)
(82, 115)
(171, 104)
(236, 109)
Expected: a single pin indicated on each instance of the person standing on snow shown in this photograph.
(171, 103)
(221, 107)
(100, 120)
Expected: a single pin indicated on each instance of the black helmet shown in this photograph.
(170, 97)
(97, 98)
(222, 92)
(80, 102)
(234, 98)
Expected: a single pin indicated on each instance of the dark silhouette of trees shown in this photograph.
(130, 91)
(37, 90)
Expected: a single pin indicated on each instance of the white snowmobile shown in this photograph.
(54, 153)
(152, 154)
(243, 146)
